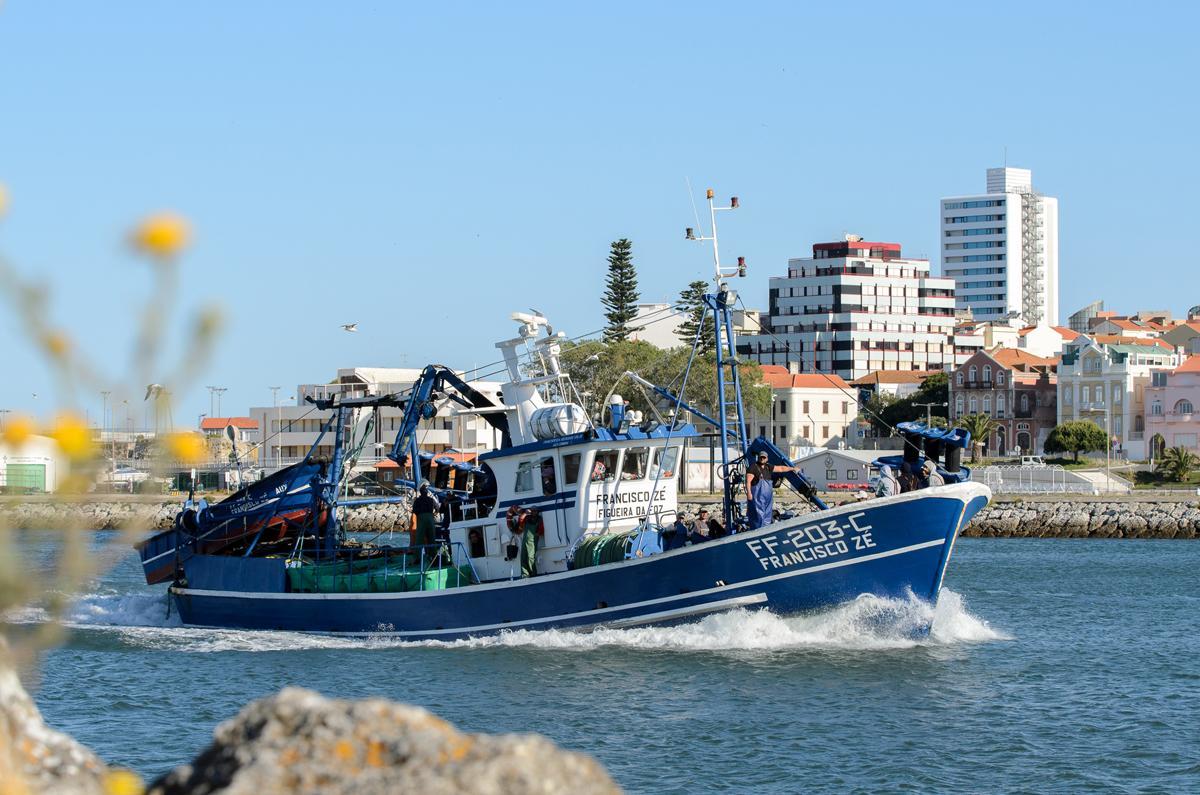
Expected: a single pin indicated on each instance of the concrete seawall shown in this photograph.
(1141, 517)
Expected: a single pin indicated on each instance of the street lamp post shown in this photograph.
(279, 426)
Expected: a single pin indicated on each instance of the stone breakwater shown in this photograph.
(1043, 518)
(1068, 519)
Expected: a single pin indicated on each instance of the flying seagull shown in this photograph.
(351, 327)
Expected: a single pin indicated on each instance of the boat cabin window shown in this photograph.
(475, 544)
(636, 459)
(666, 462)
(524, 477)
(605, 466)
(571, 468)
(538, 471)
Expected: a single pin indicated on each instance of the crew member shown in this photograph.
(760, 496)
(888, 485)
(932, 476)
(424, 525)
(698, 533)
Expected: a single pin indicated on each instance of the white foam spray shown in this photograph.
(867, 623)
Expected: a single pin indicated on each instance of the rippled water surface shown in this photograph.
(1053, 665)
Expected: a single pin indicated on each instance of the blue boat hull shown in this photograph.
(889, 547)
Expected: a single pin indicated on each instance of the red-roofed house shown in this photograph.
(1016, 388)
(246, 427)
(1173, 408)
(807, 410)
(897, 383)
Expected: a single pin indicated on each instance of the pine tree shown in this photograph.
(621, 292)
(691, 303)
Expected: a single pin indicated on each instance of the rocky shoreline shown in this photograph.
(1041, 518)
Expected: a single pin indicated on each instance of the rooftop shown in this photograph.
(778, 377)
(1190, 365)
(1016, 357)
(893, 377)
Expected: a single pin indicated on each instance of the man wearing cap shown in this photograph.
(760, 497)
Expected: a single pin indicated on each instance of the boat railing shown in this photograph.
(413, 560)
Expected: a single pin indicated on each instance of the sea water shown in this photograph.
(1052, 665)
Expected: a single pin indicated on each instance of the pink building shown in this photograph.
(1173, 408)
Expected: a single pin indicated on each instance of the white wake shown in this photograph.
(867, 623)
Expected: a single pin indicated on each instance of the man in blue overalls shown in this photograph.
(760, 497)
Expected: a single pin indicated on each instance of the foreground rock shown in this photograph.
(300, 742)
(36, 759)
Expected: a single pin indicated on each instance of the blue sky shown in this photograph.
(425, 170)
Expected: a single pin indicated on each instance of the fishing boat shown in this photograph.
(566, 525)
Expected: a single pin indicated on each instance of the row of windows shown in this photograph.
(805, 407)
(973, 299)
(977, 285)
(975, 244)
(973, 204)
(608, 466)
(971, 219)
(973, 372)
(1183, 406)
(987, 230)
(978, 271)
(977, 258)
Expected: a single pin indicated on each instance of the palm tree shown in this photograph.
(1177, 463)
(980, 426)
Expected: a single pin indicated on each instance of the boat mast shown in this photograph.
(720, 304)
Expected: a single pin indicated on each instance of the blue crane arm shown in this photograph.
(437, 381)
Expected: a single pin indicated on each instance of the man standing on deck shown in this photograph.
(424, 525)
(760, 496)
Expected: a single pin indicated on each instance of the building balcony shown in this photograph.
(1136, 436)
(977, 384)
(1173, 417)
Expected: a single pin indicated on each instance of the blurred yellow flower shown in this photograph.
(73, 436)
(123, 782)
(163, 235)
(188, 448)
(57, 344)
(17, 430)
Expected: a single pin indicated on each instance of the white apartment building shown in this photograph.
(288, 430)
(855, 307)
(1106, 382)
(807, 410)
(1001, 250)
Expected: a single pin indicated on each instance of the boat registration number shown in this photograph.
(812, 543)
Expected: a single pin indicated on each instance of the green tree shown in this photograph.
(596, 367)
(981, 427)
(620, 293)
(691, 303)
(1177, 463)
(1076, 437)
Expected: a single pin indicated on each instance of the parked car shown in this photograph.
(1035, 461)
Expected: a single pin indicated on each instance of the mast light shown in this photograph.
(709, 193)
(733, 203)
(741, 263)
(690, 235)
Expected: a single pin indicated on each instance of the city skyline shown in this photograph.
(303, 165)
